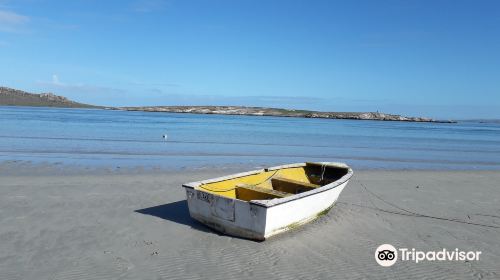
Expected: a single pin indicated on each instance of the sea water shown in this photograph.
(121, 138)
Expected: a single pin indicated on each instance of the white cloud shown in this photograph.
(55, 80)
(11, 21)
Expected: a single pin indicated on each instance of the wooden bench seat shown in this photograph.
(291, 186)
(250, 192)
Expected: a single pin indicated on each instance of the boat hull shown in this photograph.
(256, 219)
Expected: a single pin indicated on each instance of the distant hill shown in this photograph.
(14, 97)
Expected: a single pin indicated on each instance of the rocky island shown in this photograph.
(275, 112)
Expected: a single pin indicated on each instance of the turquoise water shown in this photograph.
(119, 138)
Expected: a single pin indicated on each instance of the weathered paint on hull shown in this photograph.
(261, 219)
(301, 211)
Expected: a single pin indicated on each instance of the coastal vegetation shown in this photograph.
(277, 112)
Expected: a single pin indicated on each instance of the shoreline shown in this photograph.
(135, 225)
(30, 168)
(357, 116)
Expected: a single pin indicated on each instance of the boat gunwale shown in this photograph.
(277, 201)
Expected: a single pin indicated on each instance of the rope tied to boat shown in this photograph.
(323, 169)
(407, 212)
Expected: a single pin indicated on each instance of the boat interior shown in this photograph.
(278, 183)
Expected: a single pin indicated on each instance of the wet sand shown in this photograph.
(134, 224)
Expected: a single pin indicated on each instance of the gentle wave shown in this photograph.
(251, 144)
(236, 155)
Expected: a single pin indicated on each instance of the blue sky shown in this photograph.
(427, 58)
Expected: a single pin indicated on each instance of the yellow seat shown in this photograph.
(250, 192)
(291, 186)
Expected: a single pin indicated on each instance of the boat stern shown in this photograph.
(227, 215)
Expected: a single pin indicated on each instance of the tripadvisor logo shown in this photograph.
(387, 255)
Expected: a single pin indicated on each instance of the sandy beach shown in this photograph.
(368, 131)
(134, 224)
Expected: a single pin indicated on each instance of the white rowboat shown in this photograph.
(262, 203)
